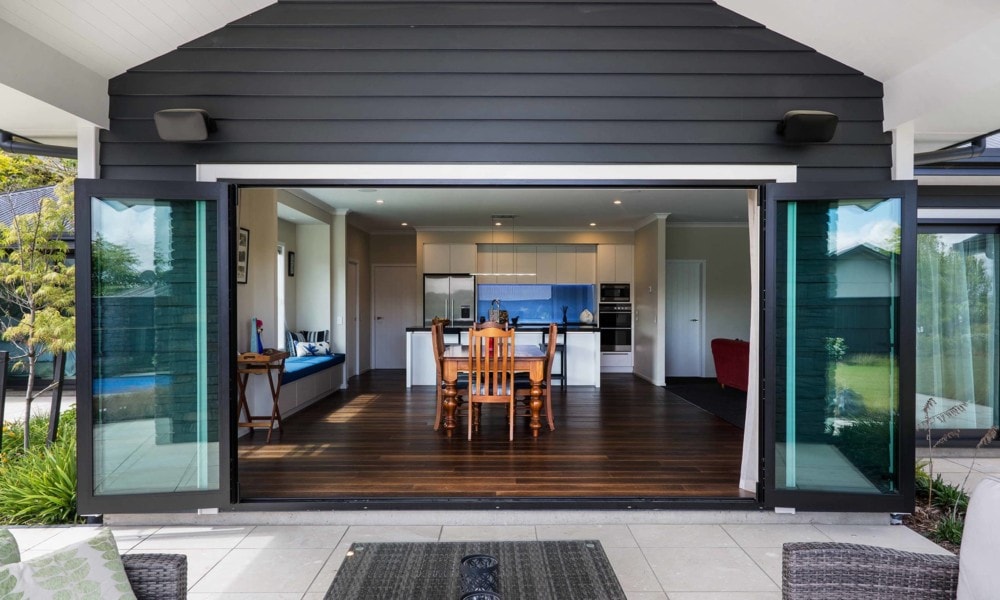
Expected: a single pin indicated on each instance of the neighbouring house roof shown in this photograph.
(23, 202)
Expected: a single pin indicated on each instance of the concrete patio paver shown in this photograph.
(653, 561)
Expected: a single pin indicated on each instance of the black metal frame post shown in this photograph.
(59, 375)
(4, 360)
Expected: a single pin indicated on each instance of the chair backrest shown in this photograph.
(437, 343)
(491, 363)
(550, 351)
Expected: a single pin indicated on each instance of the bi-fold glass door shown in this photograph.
(839, 341)
(153, 338)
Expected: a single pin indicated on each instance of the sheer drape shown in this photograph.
(748, 468)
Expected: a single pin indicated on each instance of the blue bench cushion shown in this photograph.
(297, 367)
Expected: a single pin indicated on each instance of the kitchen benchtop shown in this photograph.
(533, 327)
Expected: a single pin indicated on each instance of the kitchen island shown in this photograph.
(583, 351)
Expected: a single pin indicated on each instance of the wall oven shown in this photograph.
(614, 292)
(615, 320)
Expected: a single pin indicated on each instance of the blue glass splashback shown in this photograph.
(537, 303)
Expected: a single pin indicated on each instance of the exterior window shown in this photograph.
(155, 360)
(957, 334)
(837, 346)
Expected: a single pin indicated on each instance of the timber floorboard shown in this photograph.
(376, 440)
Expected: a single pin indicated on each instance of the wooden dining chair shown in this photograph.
(523, 383)
(437, 341)
(491, 373)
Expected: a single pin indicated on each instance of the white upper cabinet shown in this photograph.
(449, 258)
(526, 261)
(545, 264)
(586, 264)
(614, 263)
(565, 263)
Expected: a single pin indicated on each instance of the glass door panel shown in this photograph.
(957, 334)
(836, 314)
(155, 380)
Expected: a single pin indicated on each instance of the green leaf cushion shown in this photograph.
(88, 570)
(8, 548)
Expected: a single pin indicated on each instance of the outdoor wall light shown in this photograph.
(183, 124)
(807, 126)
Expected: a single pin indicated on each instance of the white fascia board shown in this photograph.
(40, 71)
(520, 173)
(965, 68)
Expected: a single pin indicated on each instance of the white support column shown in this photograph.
(88, 151)
(660, 345)
(902, 151)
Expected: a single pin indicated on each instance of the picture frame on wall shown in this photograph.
(242, 255)
(291, 264)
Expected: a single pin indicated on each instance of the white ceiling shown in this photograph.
(895, 41)
(538, 209)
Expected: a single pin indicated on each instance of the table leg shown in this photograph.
(536, 400)
(450, 402)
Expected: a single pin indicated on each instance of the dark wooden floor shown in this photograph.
(375, 440)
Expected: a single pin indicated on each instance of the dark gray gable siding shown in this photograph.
(495, 82)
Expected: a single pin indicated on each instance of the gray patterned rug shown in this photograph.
(429, 571)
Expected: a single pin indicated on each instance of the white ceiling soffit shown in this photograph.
(931, 56)
(60, 54)
(536, 208)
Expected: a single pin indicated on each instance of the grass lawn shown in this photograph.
(870, 381)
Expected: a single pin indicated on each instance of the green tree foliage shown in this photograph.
(24, 172)
(36, 285)
(115, 267)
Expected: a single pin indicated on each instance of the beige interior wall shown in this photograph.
(313, 275)
(726, 252)
(258, 213)
(288, 235)
(644, 301)
(393, 249)
(360, 248)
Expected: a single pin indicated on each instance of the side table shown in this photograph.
(268, 363)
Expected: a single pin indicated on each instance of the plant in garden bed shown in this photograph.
(38, 485)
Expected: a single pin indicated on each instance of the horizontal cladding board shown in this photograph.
(638, 109)
(501, 132)
(182, 173)
(450, 15)
(326, 84)
(221, 60)
(167, 154)
(844, 174)
(498, 38)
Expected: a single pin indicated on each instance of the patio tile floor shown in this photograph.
(653, 561)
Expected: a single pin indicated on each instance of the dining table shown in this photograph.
(528, 358)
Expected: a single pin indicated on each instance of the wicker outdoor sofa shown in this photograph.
(157, 576)
(839, 571)
(836, 571)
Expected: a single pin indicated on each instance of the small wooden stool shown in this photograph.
(254, 363)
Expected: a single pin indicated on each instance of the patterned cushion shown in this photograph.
(292, 338)
(312, 349)
(314, 336)
(8, 548)
(90, 569)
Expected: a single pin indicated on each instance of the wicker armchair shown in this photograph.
(836, 571)
(157, 576)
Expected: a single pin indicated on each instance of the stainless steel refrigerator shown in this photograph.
(450, 297)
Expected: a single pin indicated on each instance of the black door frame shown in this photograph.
(905, 441)
(224, 197)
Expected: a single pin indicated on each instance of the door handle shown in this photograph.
(692, 320)
(378, 318)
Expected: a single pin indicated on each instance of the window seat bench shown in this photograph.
(297, 367)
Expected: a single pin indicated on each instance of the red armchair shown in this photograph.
(732, 362)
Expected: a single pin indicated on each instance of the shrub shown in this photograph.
(39, 486)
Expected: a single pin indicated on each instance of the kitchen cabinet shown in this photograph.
(614, 263)
(545, 264)
(449, 258)
(565, 264)
(526, 261)
(586, 264)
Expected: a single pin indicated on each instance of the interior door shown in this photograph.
(396, 308)
(685, 318)
(839, 297)
(154, 345)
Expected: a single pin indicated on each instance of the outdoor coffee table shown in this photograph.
(556, 570)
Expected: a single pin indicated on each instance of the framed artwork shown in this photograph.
(242, 255)
(291, 264)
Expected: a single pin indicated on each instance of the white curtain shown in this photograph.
(748, 468)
